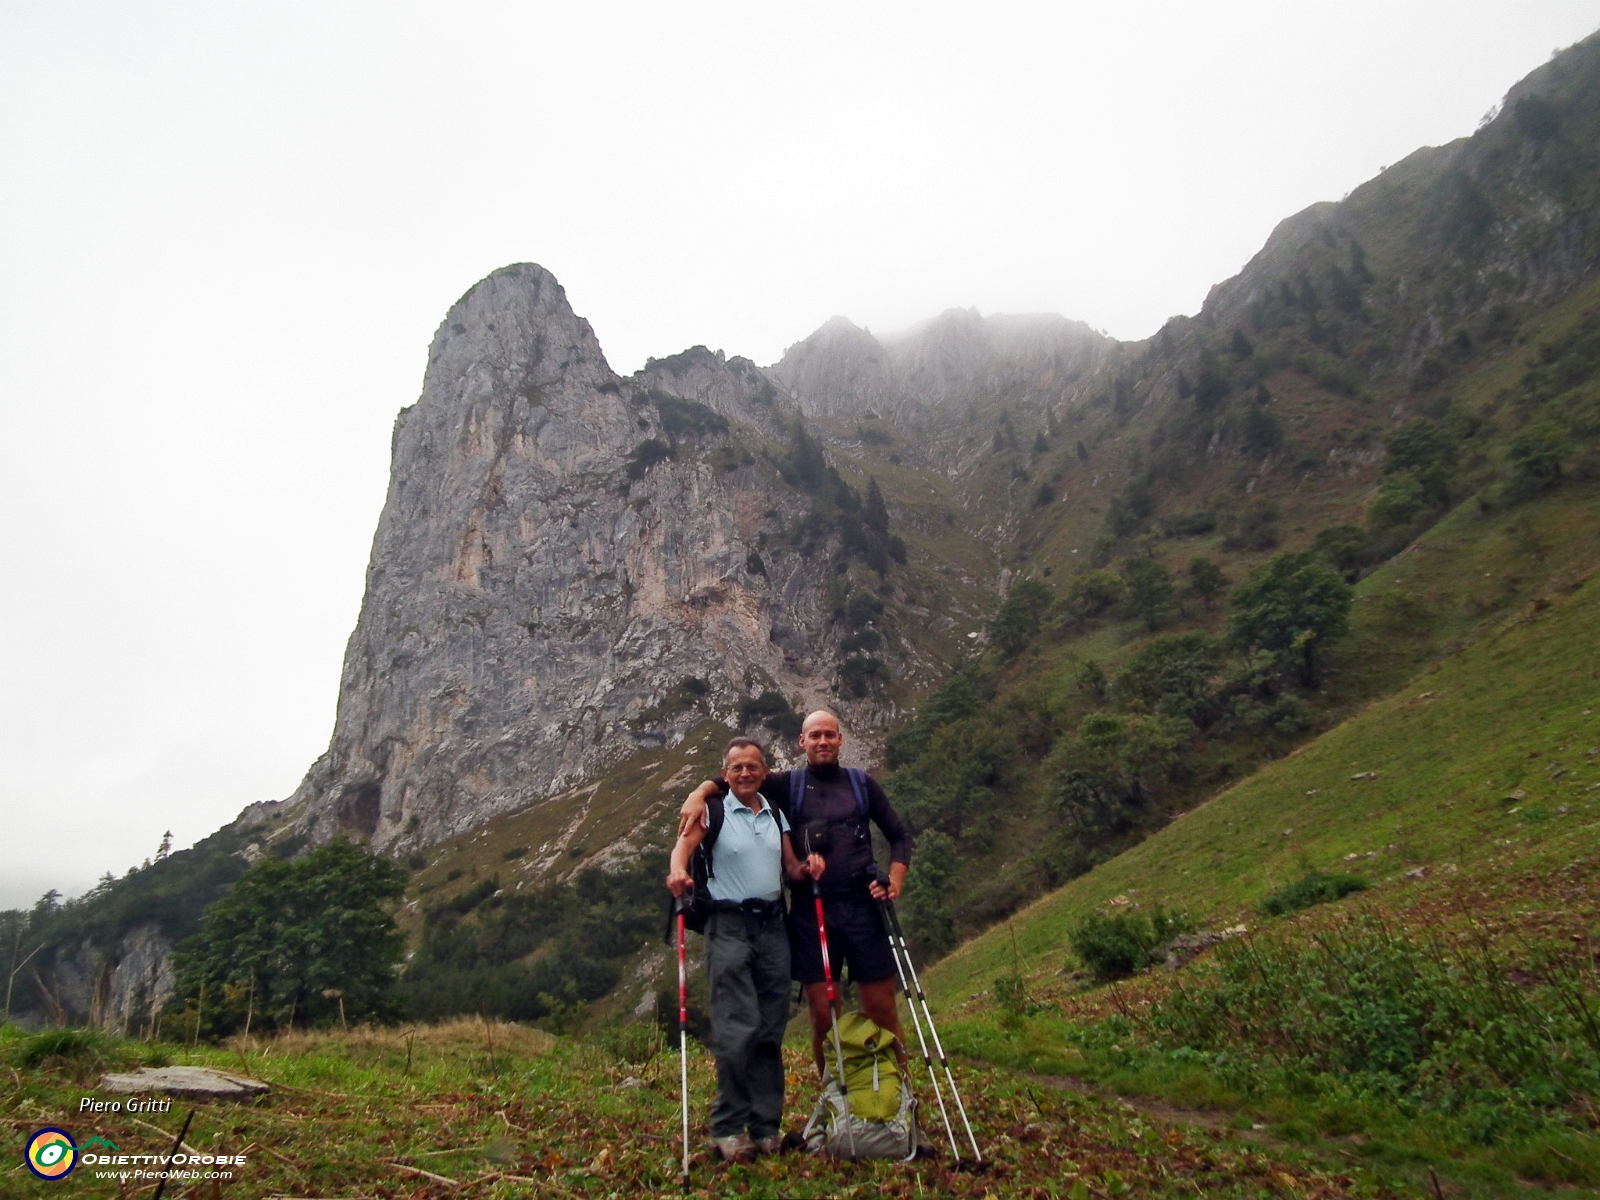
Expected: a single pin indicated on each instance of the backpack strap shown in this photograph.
(716, 816)
(858, 786)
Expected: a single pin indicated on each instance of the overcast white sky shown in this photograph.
(228, 231)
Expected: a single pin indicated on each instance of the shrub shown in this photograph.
(1093, 593)
(861, 674)
(1149, 589)
(1116, 946)
(1400, 498)
(1318, 887)
(862, 608)
(1206, 580)
(865, 639)
(646, 455)
(1193, 524)
(1171, 675)
(1256, 528)
(688, 418)
(773, 710)
(1434, 1021)
(61, 1043)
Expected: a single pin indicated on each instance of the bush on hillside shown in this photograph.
(1318, 887)
(1090, 595)
(1383, 1013)
(1118, 945)
(1172, 676)
(1019, 616)
(773, 710)
(1149, 590)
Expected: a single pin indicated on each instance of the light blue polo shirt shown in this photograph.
(747, 861)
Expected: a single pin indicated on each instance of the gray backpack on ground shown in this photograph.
(873, 1113)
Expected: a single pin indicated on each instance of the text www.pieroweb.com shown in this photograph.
(178, 1168)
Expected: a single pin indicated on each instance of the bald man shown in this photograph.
(828, 820)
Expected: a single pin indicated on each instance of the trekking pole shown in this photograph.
(827, 970)
(922, 999)
(894, 952)
(678, 907)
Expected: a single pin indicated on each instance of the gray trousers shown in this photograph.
(747, 961)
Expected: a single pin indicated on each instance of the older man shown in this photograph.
(747, 951)
(829, 816)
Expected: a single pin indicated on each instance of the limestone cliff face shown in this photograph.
(560, 549)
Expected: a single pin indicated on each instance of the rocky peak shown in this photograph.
(841, 369)
(565, 572)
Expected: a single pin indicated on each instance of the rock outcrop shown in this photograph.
(560, 549)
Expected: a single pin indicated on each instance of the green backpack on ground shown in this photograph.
(873, 1115)
(871, 1068)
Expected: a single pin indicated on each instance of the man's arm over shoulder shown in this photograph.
(883, 815)
(693, 811)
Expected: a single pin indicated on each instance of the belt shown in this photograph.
(752, 908)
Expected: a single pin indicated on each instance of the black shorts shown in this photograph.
(856, 936)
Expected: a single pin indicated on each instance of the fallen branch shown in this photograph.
(284, 1158)
(419, 1171)
(165, 1134)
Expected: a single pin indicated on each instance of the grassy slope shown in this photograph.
(361, 1114)
(1446, 749)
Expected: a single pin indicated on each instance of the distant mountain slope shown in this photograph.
(1418, 781)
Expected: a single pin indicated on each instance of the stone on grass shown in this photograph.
(197, 1083)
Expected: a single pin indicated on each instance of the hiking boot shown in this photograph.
(737, 1148)
(771, 1144)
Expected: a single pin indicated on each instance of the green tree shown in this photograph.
(1292, 606)
(1133, 749)
(1535, 457)
(1092, 594)
(1171, 676)
(929, 925)
(294, 939)
(1150, 589)
(1018, 619)
(1241, 346)
(1211, 384)
(1206, 580)
(1399, 499)
(876, 516)
(1345, 546)
(807, 467)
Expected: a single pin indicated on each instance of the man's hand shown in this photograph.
(897, 879)
(693, 812)
(813, 867)
(679, 882)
